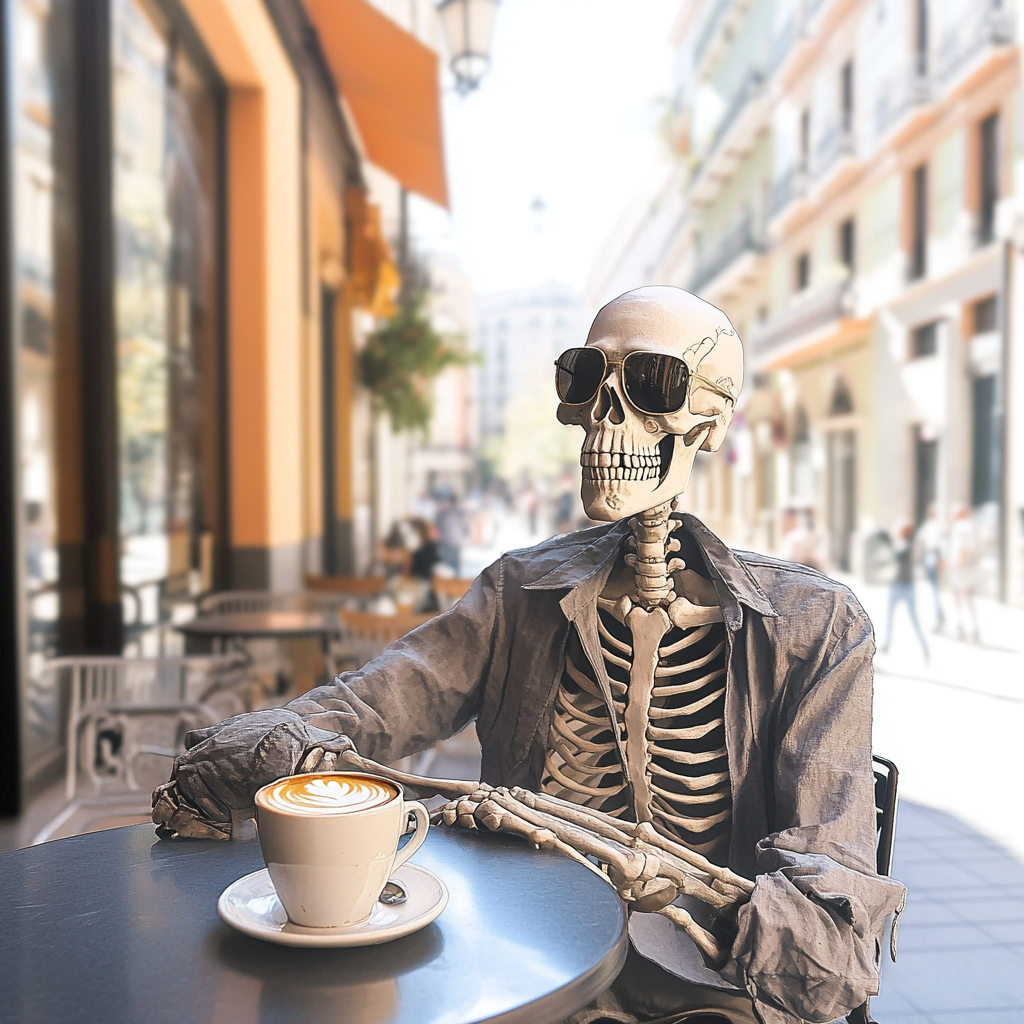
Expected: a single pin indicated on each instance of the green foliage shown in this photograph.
(401, 360)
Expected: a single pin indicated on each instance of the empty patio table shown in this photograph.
(277, 625)
(117, 926)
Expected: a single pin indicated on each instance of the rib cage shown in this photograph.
(684, 789)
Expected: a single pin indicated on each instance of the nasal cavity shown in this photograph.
(615, 413)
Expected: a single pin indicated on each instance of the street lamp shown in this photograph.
(467, 26)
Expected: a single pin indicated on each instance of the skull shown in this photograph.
(634, 460)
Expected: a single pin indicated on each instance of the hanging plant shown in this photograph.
(399, 364)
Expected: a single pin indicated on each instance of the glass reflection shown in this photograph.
(34, 90)
(165, 125)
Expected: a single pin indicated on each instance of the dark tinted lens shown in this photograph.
(578, 374)
(655, 383)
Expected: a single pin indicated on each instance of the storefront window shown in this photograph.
(36, 24)
(165, 121)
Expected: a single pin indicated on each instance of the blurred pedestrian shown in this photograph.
(901, 589)
(800, 541)
(451, 532)
(963, 571)
(930, 545)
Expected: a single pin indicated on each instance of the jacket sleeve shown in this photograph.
(422, 689)
(809, 941)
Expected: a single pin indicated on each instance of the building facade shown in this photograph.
(194, 252)
(851, 177)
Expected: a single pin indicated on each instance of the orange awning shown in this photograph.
(390, 82)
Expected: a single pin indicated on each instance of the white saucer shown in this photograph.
(251, 906)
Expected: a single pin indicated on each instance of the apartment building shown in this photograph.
(852, 190)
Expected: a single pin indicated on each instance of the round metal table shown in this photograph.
(279, 625)
(117, 926)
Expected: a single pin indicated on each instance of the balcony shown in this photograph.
(836, 142)
(817, 310)
(986, 25)
(904, 92)
(733, 137)
(710, 29)
(782, 44)
(741, 239)
(747, 91)
(791, 186)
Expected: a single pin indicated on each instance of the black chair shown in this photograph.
(886, 781)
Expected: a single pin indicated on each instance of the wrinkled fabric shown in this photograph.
(798, 734)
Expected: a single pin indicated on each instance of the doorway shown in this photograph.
(842, 496)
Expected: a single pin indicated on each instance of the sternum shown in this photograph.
(648, 629)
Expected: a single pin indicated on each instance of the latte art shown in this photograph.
(326, 794)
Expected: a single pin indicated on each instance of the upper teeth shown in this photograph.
(621, 465)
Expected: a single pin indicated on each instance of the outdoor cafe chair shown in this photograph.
(449, 590)
(119, 752)
(219, 682)
(350, 586)
(886, 782)
(365, 635)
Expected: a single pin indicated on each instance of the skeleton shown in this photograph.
(636, 776)
(642, 734)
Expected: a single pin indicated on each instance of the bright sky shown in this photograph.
(568, 113)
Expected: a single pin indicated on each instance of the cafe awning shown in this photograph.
(390, 83)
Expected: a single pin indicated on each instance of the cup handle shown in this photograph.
(415, 808)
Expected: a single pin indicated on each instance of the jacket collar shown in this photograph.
(585, 573)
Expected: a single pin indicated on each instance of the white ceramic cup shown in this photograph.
(330, 843)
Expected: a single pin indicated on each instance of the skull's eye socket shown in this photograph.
(579, 374)
(654, 382)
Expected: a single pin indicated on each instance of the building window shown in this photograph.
(984, 461)
(848, 245)
(841, 402)
(924, 340)
(846, 95)
(919, 223)
(985, 315)
(805, 141)
(802, 276)
(988, 178)
(921, 38)
(926, 472)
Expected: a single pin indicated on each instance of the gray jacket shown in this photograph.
(798, 733)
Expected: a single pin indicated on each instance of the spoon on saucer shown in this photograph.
(392, 894)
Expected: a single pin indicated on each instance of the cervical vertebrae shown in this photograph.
(652, 748)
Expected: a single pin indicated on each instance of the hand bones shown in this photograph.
(645, 868)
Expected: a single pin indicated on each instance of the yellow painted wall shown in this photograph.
(264, 266)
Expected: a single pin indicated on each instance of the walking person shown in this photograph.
(963, 572)
(930, 545)
(901, 589)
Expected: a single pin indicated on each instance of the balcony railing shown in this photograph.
(836, 142)
(741, 239)
(750, 87)
(987, 24)
(791, 185)
(911, 88)
(828, 305)
(782, 44)
(707, 33)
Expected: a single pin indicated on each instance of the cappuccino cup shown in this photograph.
(330, 843)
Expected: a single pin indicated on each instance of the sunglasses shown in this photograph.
(653, 382)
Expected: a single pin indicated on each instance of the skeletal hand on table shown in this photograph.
(647, 869)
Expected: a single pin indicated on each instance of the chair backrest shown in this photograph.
(449, 589)
(96, 681)
(354, 586)
(886, 782)
(382, 629)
